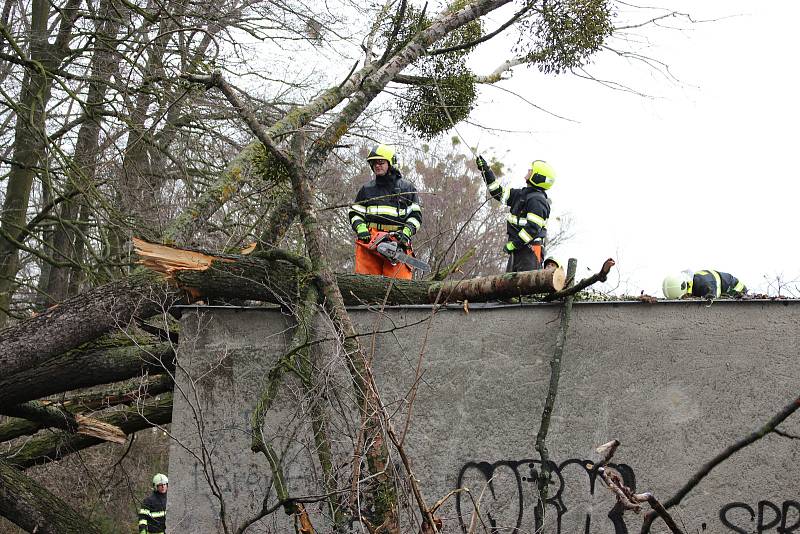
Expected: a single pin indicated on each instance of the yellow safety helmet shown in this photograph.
(541, 174)
(382, 152)
(676, 285)
(159, 479)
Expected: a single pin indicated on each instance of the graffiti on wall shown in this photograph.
(740, 517)
(507, 490)
(507, 493)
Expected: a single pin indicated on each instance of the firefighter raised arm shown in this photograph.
(526, 224)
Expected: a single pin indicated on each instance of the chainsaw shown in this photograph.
(387, 246)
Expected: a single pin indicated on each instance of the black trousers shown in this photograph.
(522, 259)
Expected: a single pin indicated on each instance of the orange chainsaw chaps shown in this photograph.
(370, 262)
(537, 251)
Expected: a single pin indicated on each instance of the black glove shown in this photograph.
(481, 163)
(364, 236)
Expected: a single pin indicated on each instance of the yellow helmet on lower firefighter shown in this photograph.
(541, 174)
(159, 479)
(382, 152)
(675, 286)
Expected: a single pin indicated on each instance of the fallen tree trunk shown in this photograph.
(110, 359)
(29, 423)
(278, 279)
(59, 444)
(81, 319)
(55, 417)
(34, 509)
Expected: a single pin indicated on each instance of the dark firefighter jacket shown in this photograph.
(153, 513)
(387, 203)
(710, 283)
(530, 209)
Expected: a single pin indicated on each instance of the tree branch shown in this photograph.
(600, 276)
(543, 480)
(729, 451)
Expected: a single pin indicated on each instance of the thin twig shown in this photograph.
(660, 510)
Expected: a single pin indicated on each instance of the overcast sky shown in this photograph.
(701, 173)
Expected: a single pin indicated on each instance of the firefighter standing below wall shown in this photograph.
(153, 512)
(386, 204)
(707, 284)
(527, 223)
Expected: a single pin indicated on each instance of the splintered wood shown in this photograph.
(167, 260)
(89, 426)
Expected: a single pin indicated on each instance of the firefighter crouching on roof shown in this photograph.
(153, 512)
(527, 223)
(707, 284)
(387, 203)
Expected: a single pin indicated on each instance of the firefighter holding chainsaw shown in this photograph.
(527, 223)
(385, 208)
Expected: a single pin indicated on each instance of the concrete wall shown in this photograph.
(675, 382)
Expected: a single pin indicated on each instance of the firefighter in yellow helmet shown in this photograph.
(387, 203)
(707, 284)
(527, 223)
(153, 512)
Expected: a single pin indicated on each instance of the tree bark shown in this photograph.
(111, 359)
(30, 137)
(81, 319)
(278, 282)
(256, 278)
(31, 423)
(54, 417)
(55, 446)
(83, 170)
(34, 509)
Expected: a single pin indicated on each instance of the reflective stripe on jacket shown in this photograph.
(387, 203)
(153, 514)
(530, 209)
(715, 283)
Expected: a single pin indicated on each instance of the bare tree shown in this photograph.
(154, 107)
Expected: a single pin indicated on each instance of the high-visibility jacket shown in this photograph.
(387, 203)
(153, 514)
(710, 283)
(530, 209)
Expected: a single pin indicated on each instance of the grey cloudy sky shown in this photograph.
(700, 173)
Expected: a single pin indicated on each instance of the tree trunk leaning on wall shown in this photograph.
(253, 277)
(172, 272)
(32, 343)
